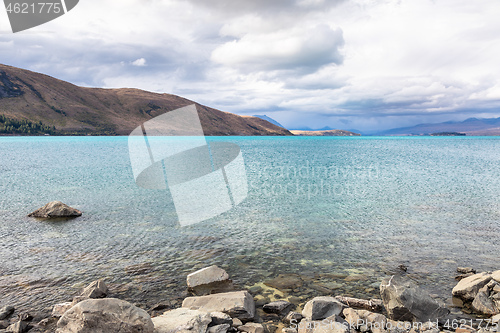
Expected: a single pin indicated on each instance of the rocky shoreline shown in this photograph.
(214, 306)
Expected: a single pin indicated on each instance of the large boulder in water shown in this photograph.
(404, 301)
(55, 209)
(104, 316)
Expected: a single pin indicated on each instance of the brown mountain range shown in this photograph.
(26, 95)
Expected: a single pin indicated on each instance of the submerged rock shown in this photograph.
(55, 209)
(182, 320)
(239, 304)
(405, 301)
(103, 316)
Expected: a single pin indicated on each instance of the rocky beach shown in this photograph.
(214, 304)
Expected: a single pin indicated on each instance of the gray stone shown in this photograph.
(482, 304)
(55, 209)
(293, 318)
(322, 307)
(251, 328)
(468, 288)
(96, 289)
(220, 318)
(18, 327)
(364, 320)
(288, 330)
(404, 301)
(327, 325)
(236, 322)
(239, 304)
(206, 276)
(4, 324)
(104, 316)
(495, 319)
(219, 328)
(6, 312)
(182, 320)
(278, 307)
(466, 270)
(59, 309)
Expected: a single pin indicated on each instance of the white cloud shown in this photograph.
(365, 61)
(141, 62)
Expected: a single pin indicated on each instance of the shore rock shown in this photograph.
(238, 304)
(182, 320)
(96, 289)
(55, 209)
(293, 318)
(468, 288)
(18, 327)
(59, 309)
(220, 318)
(496, 276)
(327, 325)
(223, 328)
(6, 312)
(482, 304)
(104, 316)
(364, 320)
(252, 328)
(278, 307)
(404, 301)
(322, 307)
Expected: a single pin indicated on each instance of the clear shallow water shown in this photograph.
(341, 212)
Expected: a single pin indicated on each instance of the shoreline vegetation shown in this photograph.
(212, 304)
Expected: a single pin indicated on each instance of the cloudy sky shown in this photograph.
(350, 64)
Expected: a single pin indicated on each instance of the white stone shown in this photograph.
(182, 320)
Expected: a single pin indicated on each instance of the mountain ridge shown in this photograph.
(470, 126)
(35, 97)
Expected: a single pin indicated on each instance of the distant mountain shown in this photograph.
(269, 119)
(471, 126)
(31, 99)
(324, 133)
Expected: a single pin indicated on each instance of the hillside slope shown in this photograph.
(26, 95)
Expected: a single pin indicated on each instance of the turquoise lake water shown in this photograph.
(340, 212)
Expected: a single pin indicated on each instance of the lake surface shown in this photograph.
(341, 212)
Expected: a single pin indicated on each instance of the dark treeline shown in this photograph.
(24, 127)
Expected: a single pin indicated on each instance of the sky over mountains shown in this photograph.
(362, 64)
